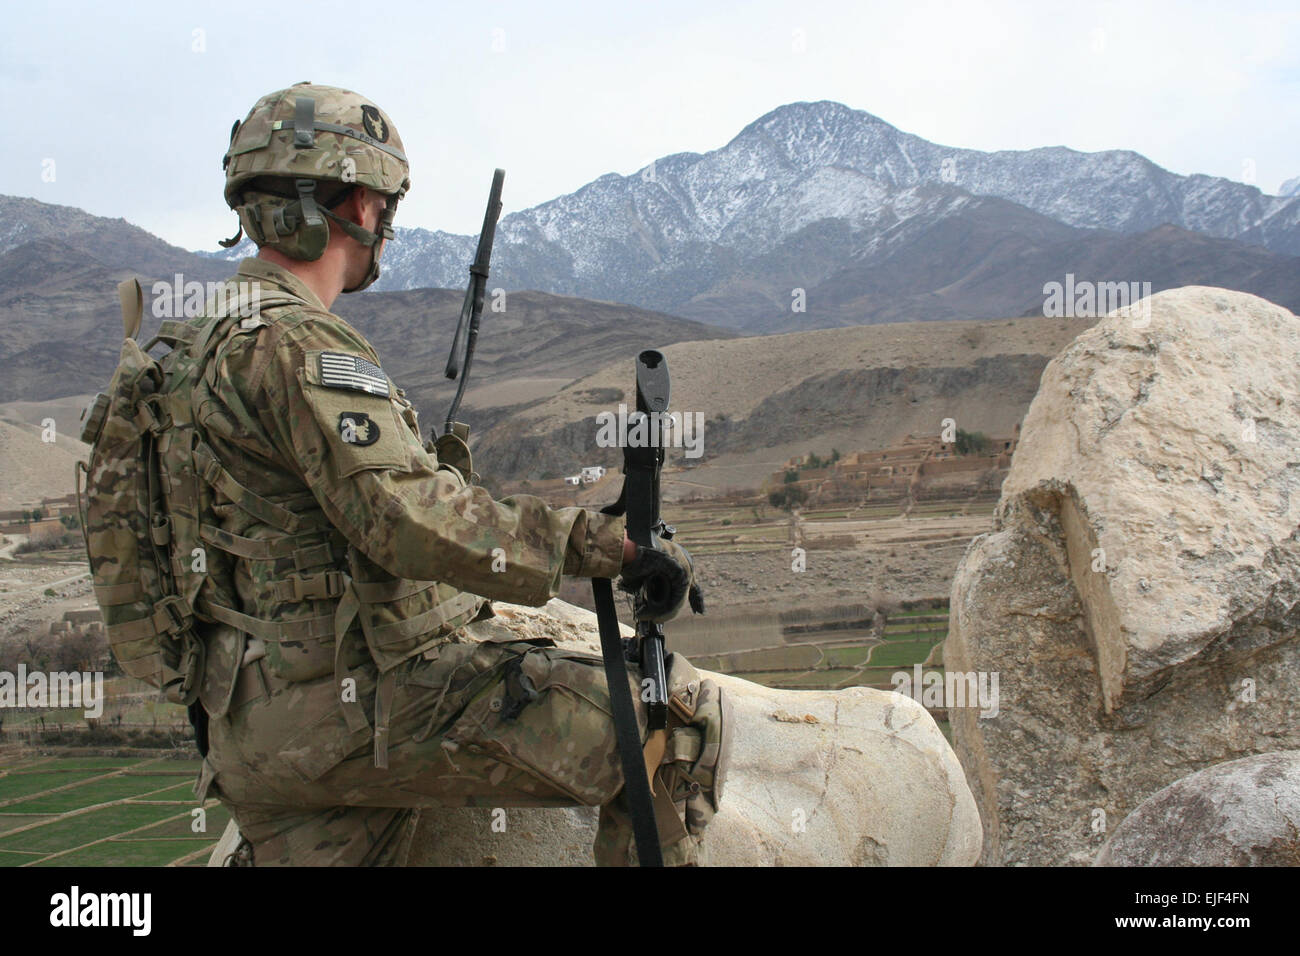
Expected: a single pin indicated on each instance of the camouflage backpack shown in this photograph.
(146, 492)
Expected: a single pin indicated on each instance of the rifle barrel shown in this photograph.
(472, 309)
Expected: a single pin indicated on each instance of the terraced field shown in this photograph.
(835, 658)
(105, 811)
(830, 659)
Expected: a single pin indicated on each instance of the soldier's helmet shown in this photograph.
(298, 153)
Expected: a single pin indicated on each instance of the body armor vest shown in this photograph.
(196, 573)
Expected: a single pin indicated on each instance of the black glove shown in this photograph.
(662, 578)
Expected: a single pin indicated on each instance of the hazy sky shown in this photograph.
(134, 101)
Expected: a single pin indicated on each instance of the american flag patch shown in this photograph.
(340, 370)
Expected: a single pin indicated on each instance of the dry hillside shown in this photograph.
(30, 468)
(766, 398)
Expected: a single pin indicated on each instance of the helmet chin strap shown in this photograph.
(368, 238)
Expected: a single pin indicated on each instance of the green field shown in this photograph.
(854, 656)
(794, 657)
(142, 813)
(906, 642)
(66, 764)
(14, 787)
(901, 653)
(105, 790)
(915, 634)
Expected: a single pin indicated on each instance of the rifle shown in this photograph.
(639, 500)
(472, 309)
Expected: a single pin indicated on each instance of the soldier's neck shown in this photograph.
(324, 276)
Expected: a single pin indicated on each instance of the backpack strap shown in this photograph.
(200, 344)
(380, 592)
(225, 326)
(344, 614)
(297, 629)
(130, 297)
(174, 332)
(170, 616)
(270, 549)
(263, 509)
(436, 617)
(242, 307)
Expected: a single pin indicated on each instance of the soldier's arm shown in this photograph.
(374, 480)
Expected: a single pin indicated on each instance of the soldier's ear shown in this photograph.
(363, 206)
(350, 205)
(374, 203)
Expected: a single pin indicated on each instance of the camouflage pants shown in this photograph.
(302, 785)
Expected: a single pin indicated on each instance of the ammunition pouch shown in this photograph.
(225, 655)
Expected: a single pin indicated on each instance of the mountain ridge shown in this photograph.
(687, 224)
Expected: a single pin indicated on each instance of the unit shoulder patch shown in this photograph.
(342, 370)
(358, 428)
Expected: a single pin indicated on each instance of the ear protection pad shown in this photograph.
(304, 218)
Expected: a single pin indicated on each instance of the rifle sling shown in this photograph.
(636, 784)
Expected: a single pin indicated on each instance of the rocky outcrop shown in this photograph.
(856, 777)
(1139, 597)
(845, 778)
(1240, 813)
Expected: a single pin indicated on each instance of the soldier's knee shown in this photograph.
(698, 748)
(688, 779)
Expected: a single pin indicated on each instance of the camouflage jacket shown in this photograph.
(297, 411)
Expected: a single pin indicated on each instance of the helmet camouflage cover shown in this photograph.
(308, 134)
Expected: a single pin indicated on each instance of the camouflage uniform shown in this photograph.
(297, 758)
(352, 670)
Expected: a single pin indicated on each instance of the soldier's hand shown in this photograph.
(662, 578)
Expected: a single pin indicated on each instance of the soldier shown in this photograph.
(353, 673)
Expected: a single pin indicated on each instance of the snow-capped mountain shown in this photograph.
(827, 187)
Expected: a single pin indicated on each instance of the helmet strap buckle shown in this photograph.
(307, 199)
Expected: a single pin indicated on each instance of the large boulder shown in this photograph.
(855, 777)
(1240, 813)
(1139, 596)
